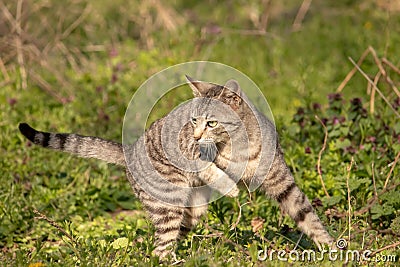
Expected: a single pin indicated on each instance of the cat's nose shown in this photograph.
(197, 134)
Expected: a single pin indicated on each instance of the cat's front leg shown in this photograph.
(218, 180)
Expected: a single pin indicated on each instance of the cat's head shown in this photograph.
(230, 93)
(215, 115)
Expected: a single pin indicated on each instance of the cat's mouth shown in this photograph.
(208, 151)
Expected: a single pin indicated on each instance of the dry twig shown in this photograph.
(391, 65)
(372, 98)
(391, 169)
(385, 248)
(382, 70)
(5, 73)
(373, 200)
(373, 179)
(305, 6)
(234, 225)
(15, 24)
(265, 14)
(374, 86)
(77, 22)
(224, 239)
(352, 72)
(320, 155)
(18, 43)
(47, 87)
(249, 32)
(54, 224)
(349, 195)
(380, 231)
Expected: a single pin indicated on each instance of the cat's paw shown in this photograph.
(234, 192)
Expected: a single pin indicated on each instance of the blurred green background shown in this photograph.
(68, 49)
(73, 66)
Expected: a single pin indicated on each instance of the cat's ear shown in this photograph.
(232, 94)
(199, 88)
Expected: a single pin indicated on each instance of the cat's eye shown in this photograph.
(212, 124)
(194, 121)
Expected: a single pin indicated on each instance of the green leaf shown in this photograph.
(345, 130)
(333, 200)
(253, 251)
(127, 205)
(355, 183)
(392, 197)
(395, 225)
(396, 128)
(342, 144)
(121, 242)
(141, 223)
(381, 210)
(334, 133)
(396, 148)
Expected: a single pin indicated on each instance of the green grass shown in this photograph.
(99, 222)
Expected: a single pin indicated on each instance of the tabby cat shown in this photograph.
(221, 139)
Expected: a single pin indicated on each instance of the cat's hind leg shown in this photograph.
(280, 185)
(167, 220)
(174, 222)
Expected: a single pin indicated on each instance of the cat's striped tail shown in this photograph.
(82, 146)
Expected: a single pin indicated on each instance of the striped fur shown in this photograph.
(260, 158)
(280, 185)
(82, 146)
(263, 165)
(171, 222)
